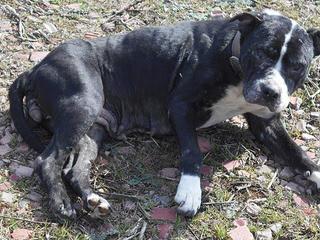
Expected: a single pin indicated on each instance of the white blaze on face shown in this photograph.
(274, 79)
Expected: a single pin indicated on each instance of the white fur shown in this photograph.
(315, 177)
(188, 194)
(274, 79)
(233, 104)
(272, 12)
(100, 203)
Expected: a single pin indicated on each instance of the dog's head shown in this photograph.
(276, 54)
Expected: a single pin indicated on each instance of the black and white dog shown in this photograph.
(175, 79)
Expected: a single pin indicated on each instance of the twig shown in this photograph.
(219, 203)
(144, 213)
(273, 179)
(143, 230)
(120, 195)
(190, 229)
(24, 219)
(122, 10)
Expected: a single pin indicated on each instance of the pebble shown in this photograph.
(6, 138)
(4, 149)
(264, 235)
(295, 102)
(253, 209)
(37, 56)
(307, 137)
(302, 181)
(276, 227)
(23, 171)
(169, 172)
(292, 186)
(230, 165)
(241, 233)
(286, 173)
(315, 114)
(50, 27)
(34, 196)
(264, 169)
(162, 200)
(302, 125)
(7, 197)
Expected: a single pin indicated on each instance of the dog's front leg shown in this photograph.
(188, 194)
(273, 135)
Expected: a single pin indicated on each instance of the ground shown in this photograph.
(242, 181)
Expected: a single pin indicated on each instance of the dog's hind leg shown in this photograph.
(77, 172)
(272, 134)
(71, 124)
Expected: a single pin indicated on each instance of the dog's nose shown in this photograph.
(270, 94)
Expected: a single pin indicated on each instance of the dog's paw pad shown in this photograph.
(99, 206)
(188, 195)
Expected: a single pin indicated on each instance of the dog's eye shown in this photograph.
(272, 52)
(297, 67)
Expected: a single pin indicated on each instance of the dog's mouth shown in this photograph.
(275, 101)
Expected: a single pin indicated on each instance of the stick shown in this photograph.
(273, 179)
(122, 10)
(24, 219)
(143, 230)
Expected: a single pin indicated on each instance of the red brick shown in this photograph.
(164, 231)
(165, 214)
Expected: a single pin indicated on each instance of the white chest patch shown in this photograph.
(233, 104)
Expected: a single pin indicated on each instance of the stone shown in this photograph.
(165, 214)
(6, 138)
(286, 173)
(162, 200)
(302, 125)
(50, 27)
(23, 171)
(7, 197)
(264, 169)
(5, 26)
(299, 142)
(253, 209)
(21, 234)
(23, 147)
(315, 114)
(311, 155)
(4, 149)
(205, 185)
(240, 222)
(37, 56)
(294, 187)
(204, 144)
(307, 137)
(231, 165)
(241, 233)
(169, 173)
(74, 6)
(5, 186)
(276, 227)
(91, 35)
(34, 196)
(300, 201)
(264, 235)
(164, 231)
(295, 102)
(129, 205)
(262, 159)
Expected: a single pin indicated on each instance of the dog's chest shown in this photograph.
(233, 104)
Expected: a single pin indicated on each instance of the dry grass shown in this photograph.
(134, 172)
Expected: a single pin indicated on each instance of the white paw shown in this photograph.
(188, 195)
(98, 205)
(315, 177)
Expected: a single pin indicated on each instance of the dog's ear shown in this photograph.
(315, 36)
(247, 21)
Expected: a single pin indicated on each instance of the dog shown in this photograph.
(162, 80)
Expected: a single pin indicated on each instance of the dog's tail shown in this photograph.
(16, 94)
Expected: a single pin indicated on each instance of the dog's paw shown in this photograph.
(188, 195)
(314, 177)
(98, 206)
(61, 207)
